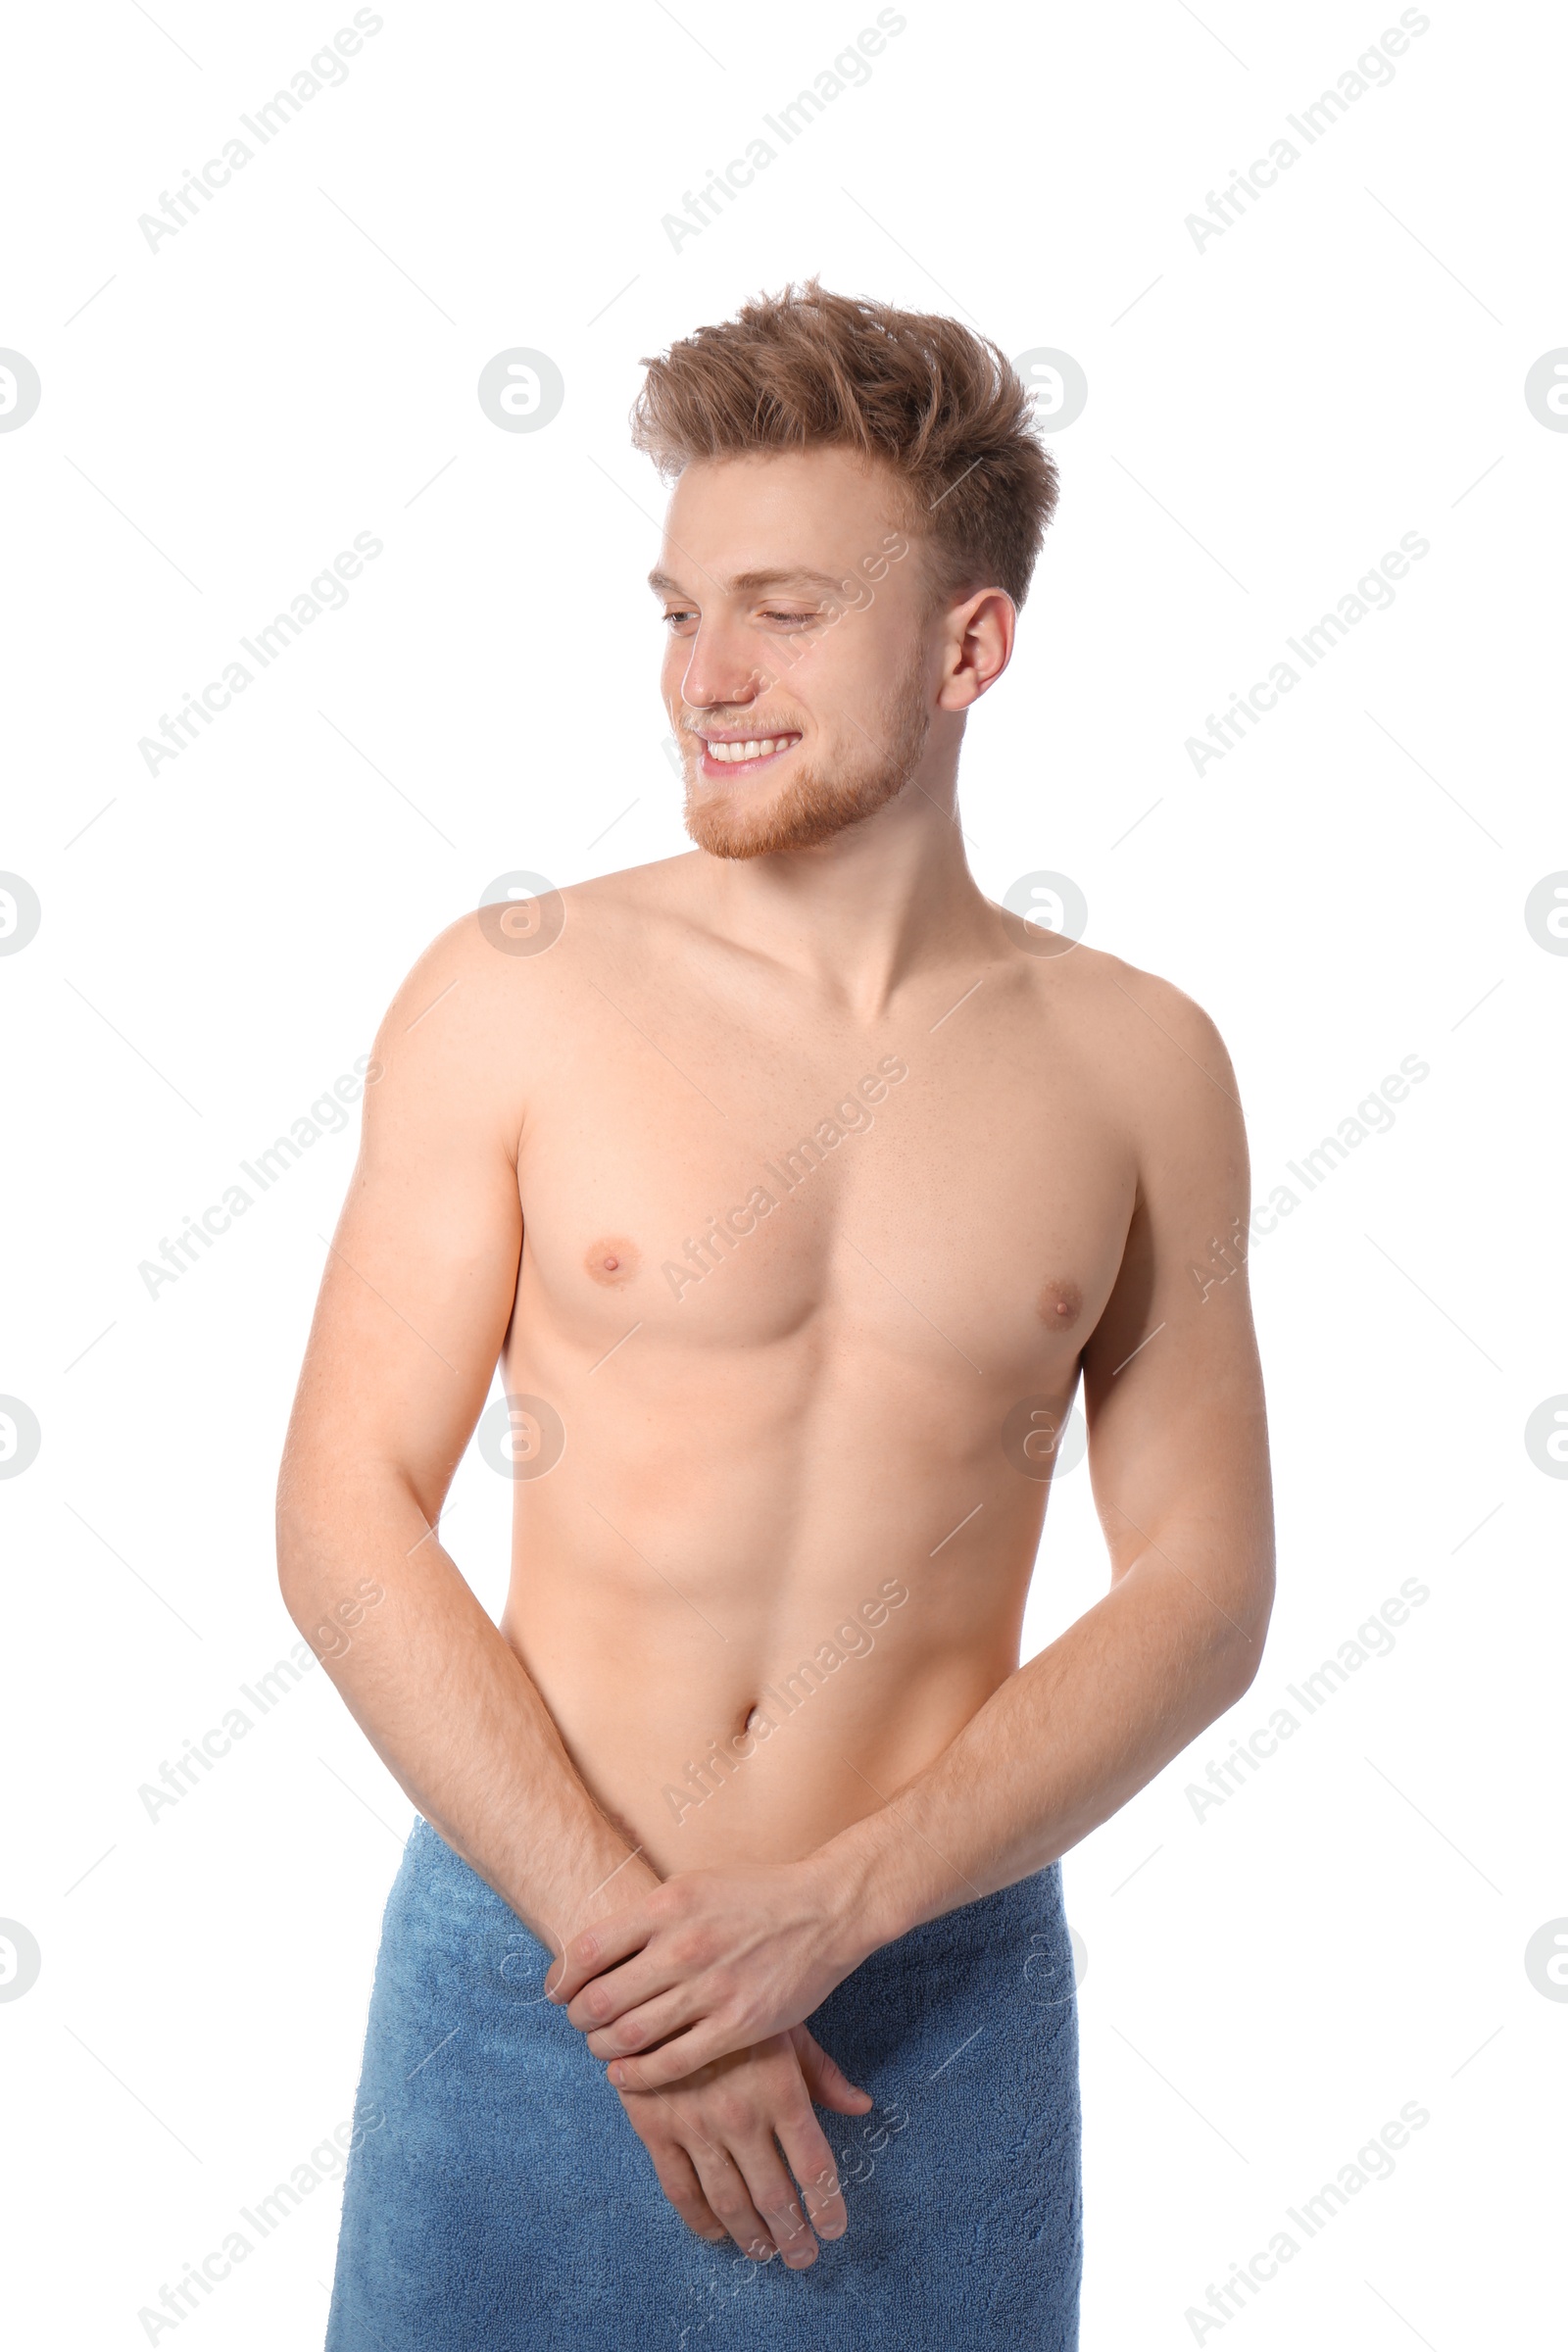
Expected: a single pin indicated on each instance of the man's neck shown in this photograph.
(863, 913)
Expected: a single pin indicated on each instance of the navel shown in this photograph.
(613, 1261)
(1060, 1304)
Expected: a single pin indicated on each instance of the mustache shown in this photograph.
(722, 722)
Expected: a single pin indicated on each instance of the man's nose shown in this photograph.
(721, 667)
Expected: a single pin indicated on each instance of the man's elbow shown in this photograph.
(303, 1582)
(1246, 1631)
(319, 1534)
(342, 1539)
(320, 1574)
(302, 1529)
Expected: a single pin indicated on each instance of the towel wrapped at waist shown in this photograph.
(500, 2198)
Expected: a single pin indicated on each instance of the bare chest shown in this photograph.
(962, 1194)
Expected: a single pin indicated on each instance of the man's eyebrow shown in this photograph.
(753, 581)
(756, 583)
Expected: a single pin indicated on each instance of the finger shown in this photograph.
(672, 2061)
(810, 2160)
(724, 2187)
(829, 2085)
(677, 2177)
(773, 2193)
(606, 2000)
(639, 2025)
(614, 1939)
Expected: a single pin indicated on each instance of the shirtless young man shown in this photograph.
(794, 1185)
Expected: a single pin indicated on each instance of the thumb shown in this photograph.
(827, 2083)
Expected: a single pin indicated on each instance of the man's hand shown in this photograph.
(711, 1962)
(714, 2143)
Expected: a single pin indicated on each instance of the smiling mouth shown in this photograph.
(743, 755)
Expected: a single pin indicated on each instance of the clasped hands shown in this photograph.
(695, 1994)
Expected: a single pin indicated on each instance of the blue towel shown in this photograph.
(497, 2197)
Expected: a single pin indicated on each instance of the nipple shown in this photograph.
(1061, 1306)
(612, 1261)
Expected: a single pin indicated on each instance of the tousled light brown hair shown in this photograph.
(937, 404)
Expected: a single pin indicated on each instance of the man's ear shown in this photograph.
(977, 646)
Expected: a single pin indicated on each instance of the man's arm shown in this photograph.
(1177, 1454)
(413, 1307)
(419, 1291)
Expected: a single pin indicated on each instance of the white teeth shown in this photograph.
(728, 752)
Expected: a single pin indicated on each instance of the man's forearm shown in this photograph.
(1060, 1747)
(715, 1960)
(451, 1710)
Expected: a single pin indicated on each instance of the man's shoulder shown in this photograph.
(1157, 1049)
(510, 982)
(1125, 992)
(659, 891)
(523, 918)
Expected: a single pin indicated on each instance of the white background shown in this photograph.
(1266, 416)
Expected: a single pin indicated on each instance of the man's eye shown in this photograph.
(792, 620)
(673, 620)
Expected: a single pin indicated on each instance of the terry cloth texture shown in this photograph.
(498, 2200)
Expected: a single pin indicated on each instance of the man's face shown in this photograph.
(797, 615)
